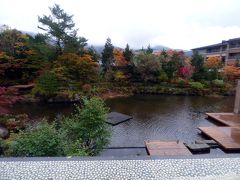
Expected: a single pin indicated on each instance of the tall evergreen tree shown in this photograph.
(197, 62)
(107, 55)
(149, 50)
(128, 53)
(60, 27)
(75, 45)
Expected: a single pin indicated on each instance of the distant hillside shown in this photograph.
(29, 32)
(160, 48)
(98, 48)
(188, 53)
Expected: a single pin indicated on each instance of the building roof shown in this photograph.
(224, 42)
(204, 47)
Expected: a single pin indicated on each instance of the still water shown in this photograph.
(154, 117)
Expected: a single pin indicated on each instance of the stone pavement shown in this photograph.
(222, 167)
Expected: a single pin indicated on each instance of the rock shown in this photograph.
(4, 133)
(211, 143)
(198, 148)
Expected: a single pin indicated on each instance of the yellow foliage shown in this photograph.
(213, 62)
(119, 76)
(76, 67)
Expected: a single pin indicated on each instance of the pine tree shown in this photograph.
(128, 53)
(107, 55)
(197, 62)
(60, 27)
(149, 50)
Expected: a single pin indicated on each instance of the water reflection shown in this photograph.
(154, 117)
(164, 117)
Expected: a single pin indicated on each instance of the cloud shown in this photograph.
(181, 24)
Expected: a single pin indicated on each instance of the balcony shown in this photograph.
(234, 50)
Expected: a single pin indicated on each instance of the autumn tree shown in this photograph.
(185, 72)
(172, 61)
(72, 67)
(128, 53)
(148, 66)
(231, 72)
(119, 57)
(16, 63)
(60, 27)
(107, 55)
(213, 64)
(14, 43)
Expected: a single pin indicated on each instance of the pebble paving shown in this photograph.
(213, 168)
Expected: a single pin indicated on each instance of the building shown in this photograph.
(228, 50)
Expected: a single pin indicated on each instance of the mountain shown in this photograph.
(99, 48)
(29, 33)
(160, 48)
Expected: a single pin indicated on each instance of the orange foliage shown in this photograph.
(231, 72)
(119, 58)
(76, 67)
(213, 62)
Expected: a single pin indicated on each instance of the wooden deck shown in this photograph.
(227, 137)
(166, 148)
(228, 119)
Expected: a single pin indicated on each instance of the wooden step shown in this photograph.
(166, 148)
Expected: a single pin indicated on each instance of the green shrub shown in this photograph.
(163, 76)
(206, 84)
(181, 82)
(218, 83)
(41, 141)
(196, 85)
(47, 85)
(212, 74)
(73, 148)
(83, 133)
(87, 126)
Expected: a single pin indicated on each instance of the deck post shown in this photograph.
(237, 99)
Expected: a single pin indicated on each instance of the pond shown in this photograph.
(154, 116)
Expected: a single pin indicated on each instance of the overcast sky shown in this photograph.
(180, 24)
